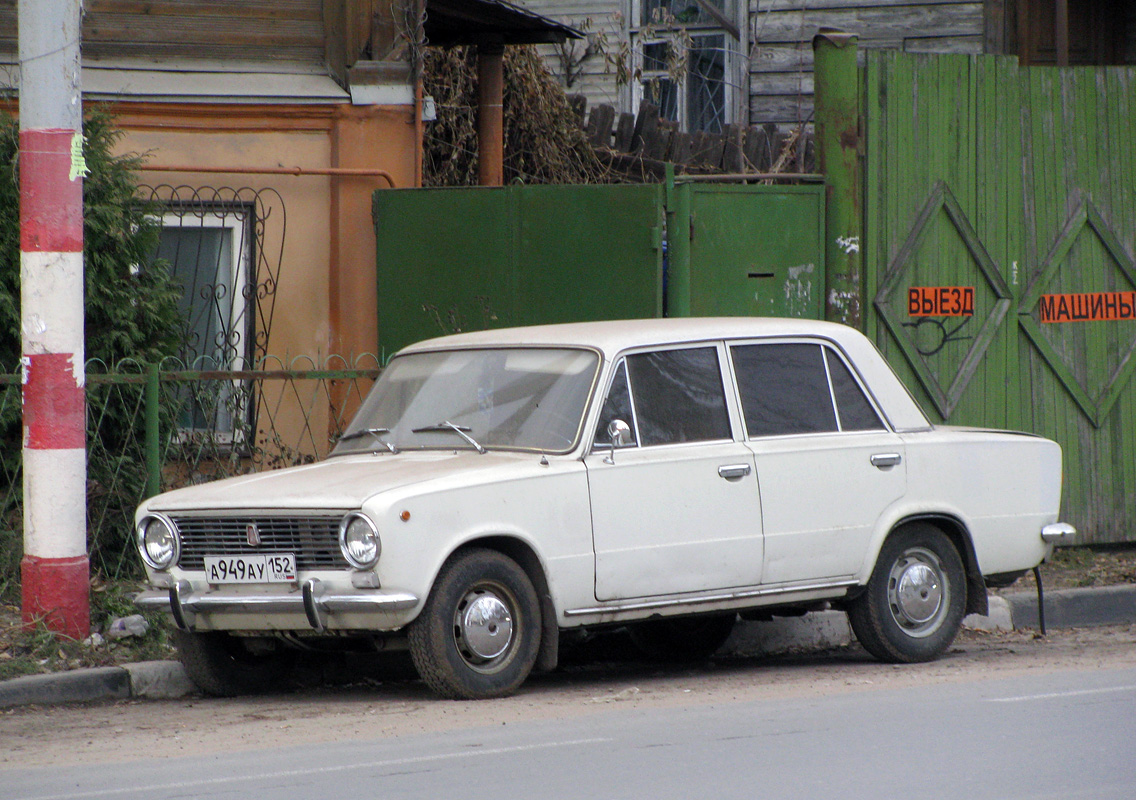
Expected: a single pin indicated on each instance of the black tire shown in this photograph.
(685, 639)
(223, 666)
(479, 633)
(915, 600)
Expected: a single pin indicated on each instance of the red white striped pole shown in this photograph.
(55, 570)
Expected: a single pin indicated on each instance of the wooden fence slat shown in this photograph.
(1041, 165)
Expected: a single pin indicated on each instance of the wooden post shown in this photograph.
(490, 114)
(837, 145)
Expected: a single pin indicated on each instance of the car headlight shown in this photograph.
(158, 542)
(359, 541)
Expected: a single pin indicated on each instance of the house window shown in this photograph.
(209, 254)
(686, 57)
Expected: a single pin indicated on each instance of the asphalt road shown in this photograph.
(1054, 734)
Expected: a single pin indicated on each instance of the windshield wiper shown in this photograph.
(460, 430)
(370, 432)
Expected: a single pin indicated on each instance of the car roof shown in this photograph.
(613, 337)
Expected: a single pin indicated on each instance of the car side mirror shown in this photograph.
(620, 434)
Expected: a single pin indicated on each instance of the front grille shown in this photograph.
(313, 539)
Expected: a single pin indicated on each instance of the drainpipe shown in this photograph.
(490, 114)
(55, 569)
(838, 139)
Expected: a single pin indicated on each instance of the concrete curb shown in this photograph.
(149, 679)
(1075, 608)
(1000, 617)
(1066, 608)
(817, 631)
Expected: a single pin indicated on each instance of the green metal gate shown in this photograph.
(475, 258)
(999, 232)
(467, 259)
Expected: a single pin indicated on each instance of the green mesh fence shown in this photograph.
(158, 427)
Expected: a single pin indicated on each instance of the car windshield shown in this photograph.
(508, 398)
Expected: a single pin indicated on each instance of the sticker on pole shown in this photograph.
(78, 163)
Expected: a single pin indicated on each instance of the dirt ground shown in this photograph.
(1079, 567)
(395, 704)
(120, 731)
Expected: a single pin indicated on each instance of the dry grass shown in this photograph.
(1079, 567)
(30, 650)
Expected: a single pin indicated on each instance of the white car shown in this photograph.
(498, 488)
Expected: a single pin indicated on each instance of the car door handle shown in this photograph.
(733, 471)
(885, 460)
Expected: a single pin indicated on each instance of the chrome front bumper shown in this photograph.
(312, 597)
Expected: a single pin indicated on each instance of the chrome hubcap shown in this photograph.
(917, 593)
(483, 626)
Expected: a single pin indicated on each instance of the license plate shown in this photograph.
(271, 568)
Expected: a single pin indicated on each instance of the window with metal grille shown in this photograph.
(209, 252)
(687, 60)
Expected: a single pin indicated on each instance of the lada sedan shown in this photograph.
(499, 488)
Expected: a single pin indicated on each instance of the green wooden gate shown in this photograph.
(475, 258)
(1000, 223)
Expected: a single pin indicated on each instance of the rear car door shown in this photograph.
(827, 464)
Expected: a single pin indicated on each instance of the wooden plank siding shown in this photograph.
(781, 57)
(778, 36)
(274, 30)
(602, 21)
(1041, 163)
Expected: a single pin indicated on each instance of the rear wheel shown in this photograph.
(686, 639)
(223, 665)
(479, 634)
(916, 598)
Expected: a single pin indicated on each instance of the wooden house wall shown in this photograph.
(779, 36)
(285, 30)
(781, 55)
(604, 23)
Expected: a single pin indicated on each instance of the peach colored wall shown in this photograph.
(301, 325)
(325, 302)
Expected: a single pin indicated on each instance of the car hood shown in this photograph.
(341, 483)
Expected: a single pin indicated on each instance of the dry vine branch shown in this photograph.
(543, 140)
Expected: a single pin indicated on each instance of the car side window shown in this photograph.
(784, 389)
(856, 413)
(616, 406)
(678, 396)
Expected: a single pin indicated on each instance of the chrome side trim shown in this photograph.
(1058, 533)
(312, 600)
(746, 594)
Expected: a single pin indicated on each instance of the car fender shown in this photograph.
(953, 522)
(549, 531)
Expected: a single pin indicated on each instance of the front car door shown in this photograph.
(678, 509)
(826, 462)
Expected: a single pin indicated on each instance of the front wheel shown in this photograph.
(224, 665)
(915, 600)
(479, 633)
